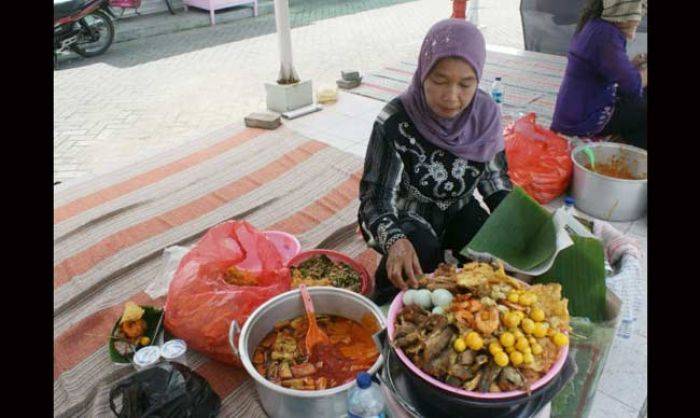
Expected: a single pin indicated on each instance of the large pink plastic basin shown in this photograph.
(395, 309)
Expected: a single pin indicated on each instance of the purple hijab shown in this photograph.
(476, 133)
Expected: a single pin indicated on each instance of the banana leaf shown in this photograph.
(152, 316)
(580, 269)
(519, 232)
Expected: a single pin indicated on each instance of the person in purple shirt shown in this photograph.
(604, 92)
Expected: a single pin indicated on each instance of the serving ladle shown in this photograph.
(591, 156)
(314, 335)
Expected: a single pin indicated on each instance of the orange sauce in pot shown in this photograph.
(352, 350)
(617, 168)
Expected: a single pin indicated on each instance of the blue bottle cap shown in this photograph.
(364, 380)
(569, 200)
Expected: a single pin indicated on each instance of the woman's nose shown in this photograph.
(452, 94)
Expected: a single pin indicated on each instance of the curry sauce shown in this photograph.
(282, 357)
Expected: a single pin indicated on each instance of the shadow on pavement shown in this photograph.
(302, 13)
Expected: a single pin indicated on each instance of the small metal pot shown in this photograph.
(608, 198)
(279, 401)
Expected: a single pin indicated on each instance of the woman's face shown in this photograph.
(450, 87)
(629, 28)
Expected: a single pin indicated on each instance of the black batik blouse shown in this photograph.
(405, 176)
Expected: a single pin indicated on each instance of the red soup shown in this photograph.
(282, 358)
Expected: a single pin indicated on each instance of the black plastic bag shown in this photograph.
(165, 390)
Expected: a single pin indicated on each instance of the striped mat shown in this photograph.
(526, 76)
(110, 231)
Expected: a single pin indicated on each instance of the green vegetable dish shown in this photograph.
(320, 270)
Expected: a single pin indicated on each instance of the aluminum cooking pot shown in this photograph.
(609, 198)
(279, 401)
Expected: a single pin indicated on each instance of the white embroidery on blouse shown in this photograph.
(382, 231)
(411, 140)
(435, 169)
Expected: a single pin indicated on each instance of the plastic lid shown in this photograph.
(364, 380)
(147, 355)
(173, 349)
(569, 200)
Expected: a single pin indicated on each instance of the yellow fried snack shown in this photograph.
(474, 274)
(132, 312)
(554, 306)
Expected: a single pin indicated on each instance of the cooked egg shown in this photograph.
(423, 298)
(441, 297)
(409, 297)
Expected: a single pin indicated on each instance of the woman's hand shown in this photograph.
(402, 259)
(643, 74)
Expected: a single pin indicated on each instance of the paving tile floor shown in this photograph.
(154, 93)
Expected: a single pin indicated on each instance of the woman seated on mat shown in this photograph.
(430, 148)
(604, 93)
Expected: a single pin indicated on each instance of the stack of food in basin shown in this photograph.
(475, 333)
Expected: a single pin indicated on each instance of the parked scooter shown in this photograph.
(83, 26)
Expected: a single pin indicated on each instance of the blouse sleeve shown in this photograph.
(494, 184)
(616, 67)
(380, 180)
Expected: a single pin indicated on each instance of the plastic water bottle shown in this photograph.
(569, 205)
(365, 400)
(497, 92)
(574, 222)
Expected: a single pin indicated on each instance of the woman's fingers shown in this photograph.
(416, 264)
(394, 272)
(408, 268)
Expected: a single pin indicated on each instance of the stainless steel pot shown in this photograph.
(608, 198)
(279, 401)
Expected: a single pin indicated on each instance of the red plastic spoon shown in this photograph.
(314, 335)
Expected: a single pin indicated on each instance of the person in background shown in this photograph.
(604, 92)
(430, 149)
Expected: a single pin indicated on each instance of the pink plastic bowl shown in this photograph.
(397, 306)
(366, 285)
(287, 244)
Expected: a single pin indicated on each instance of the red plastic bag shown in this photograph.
(201, 303)
(539, 160)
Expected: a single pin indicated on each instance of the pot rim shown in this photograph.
(260, 380)
(580, 148)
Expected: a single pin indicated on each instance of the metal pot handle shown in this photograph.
(233, 329)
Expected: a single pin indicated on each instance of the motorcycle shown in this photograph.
(82, 26)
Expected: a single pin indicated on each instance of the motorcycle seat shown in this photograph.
(63, 8)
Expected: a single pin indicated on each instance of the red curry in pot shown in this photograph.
(282, 358)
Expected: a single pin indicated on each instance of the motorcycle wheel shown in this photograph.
(105, 29)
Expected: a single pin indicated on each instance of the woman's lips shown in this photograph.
(448, 110)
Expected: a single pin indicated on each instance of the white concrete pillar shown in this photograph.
(287, 73)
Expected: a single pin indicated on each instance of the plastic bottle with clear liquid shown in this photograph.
(365, 400)
(497, 92)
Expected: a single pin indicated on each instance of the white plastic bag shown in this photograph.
(170, 260)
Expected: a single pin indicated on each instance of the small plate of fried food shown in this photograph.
(137, 327)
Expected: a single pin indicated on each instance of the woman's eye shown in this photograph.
(465, 86)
